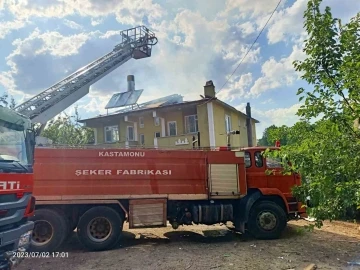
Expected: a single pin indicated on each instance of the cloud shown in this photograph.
(39, 60)
(236, 88)
(8, 26)
(72, 24)
(268, 101)
(249, 8)
(276, 74)
(95, 22)
(246, 28)
(279, 116)
(94, 104)
(286, 22)
(125, 11)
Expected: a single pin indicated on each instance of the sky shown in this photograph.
(43, 41)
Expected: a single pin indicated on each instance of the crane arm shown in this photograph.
(136, 43)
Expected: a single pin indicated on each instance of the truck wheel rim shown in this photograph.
(99, 229)
(42, 233)
(267, 221)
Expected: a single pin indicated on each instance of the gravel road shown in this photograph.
(215, 247)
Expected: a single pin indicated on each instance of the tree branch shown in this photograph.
(338, 88)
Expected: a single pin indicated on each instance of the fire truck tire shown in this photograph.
(50, 230)
(267, 220)
(99, 228)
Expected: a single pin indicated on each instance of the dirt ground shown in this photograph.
(335, 246)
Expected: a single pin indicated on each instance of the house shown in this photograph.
(170, 122)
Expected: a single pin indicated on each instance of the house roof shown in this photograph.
(148, 106)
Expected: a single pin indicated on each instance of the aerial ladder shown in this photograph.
(135, 43)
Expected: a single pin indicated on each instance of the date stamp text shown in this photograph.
(26, 254)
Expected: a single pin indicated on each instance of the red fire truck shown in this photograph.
(16, 184)
(97, 190)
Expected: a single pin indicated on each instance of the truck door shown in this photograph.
(276, 179)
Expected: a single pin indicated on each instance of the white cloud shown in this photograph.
(95, 22)
(125, 11)
(277, 73)
(246, 28)
(236, 88)
(7, 81)
(94, 103)
(72, 24)
(36, 60)
(250, 8)
(268, 101)
(8, 26)
(236, 50)
(192, 49)
(286, 22)
(52, 43)
(279, 116)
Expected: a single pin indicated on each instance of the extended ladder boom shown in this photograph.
(136, 43)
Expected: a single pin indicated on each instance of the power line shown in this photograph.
(252, 45)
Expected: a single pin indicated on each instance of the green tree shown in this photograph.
(66, 130)
(273, 133)
(265, 140)
(327, 152)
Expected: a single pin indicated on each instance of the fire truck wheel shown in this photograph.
(267, 220)
(99, 228)
(49, 231)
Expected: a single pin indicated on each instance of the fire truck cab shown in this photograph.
(16, 183)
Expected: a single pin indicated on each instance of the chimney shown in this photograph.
(130, 83)
(209, 90)
(249, 124)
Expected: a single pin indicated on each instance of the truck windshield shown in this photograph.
(15, 146)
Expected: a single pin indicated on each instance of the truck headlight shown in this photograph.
(25, 239)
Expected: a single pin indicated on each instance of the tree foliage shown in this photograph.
(327, 151)
(66, 130)
(274, 133)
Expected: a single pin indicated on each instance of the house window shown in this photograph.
(142, 139)
(157, 134)
(157, 121)
(191, 123)
(111, 134)
(172, 130)
(141, 122)
(227, 123)
(130, 133)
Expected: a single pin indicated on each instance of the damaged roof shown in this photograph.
(164, 102)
